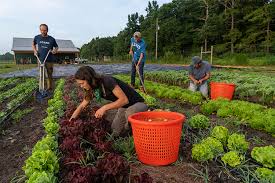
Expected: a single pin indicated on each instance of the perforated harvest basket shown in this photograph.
(157, 143)
(222, 90)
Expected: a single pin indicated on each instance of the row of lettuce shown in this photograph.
(7, 82)
(232, 150)
(254, 115)
(18, 94)
(170, 92)
(43, 165)
(81, 160)
(249, 86)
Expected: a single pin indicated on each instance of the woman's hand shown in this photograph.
(120, 102)
(78, 110)
(100, 112)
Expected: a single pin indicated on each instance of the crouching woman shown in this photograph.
(121, 97)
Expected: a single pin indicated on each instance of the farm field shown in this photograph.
(221, 140)
(10, 67)
(201, 110)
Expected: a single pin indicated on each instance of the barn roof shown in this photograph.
(25, 44)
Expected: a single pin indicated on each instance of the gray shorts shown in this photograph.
(120, 122)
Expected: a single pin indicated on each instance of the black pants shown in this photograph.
(133, 72)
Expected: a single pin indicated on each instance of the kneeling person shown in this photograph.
(199, 73)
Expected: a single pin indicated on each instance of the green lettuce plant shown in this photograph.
(220, 133)
(199, 121)
(232, 158)
(264, 155)
(265, 175)
(202, 152)
(237, 142)
(42, 177)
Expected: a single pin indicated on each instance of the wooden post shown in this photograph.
(211, 55)
(201, 51)
(14, 58)
(157, 26)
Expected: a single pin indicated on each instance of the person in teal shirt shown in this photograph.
(138, 53)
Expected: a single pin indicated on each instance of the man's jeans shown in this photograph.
(203, 88)
(133, 72)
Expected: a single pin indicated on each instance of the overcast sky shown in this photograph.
(78, 20)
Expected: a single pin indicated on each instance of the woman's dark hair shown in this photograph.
(88, 73)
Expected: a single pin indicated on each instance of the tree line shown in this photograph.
(231, 26)
(6, 56)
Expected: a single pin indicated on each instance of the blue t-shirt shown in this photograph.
(44, 45)
(138, 48)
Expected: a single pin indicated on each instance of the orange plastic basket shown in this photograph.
(221, 90)
(157, 142)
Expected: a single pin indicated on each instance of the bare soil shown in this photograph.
(18, 138)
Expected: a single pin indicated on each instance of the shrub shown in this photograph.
(240, 59)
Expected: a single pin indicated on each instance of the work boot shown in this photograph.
(49, 84)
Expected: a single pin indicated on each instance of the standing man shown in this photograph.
(199, 73)
(137, 51)
(45, 43)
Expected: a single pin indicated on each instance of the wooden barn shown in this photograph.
(23, 53)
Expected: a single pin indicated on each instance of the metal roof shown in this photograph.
(25, 44)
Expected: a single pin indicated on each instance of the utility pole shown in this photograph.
(157, 28)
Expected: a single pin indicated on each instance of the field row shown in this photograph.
(249, 86)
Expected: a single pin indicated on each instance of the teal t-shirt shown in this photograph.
(138, 48)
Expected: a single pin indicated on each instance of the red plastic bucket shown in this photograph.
(157, 141)
(222, 90)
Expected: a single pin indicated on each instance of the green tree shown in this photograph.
(259, 31)
(6, 56)
(98, 48)
(232, 26)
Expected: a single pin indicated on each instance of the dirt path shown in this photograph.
(18, 139)
(168, 174)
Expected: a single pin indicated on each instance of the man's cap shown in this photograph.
(137, 34)
(196, 60)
